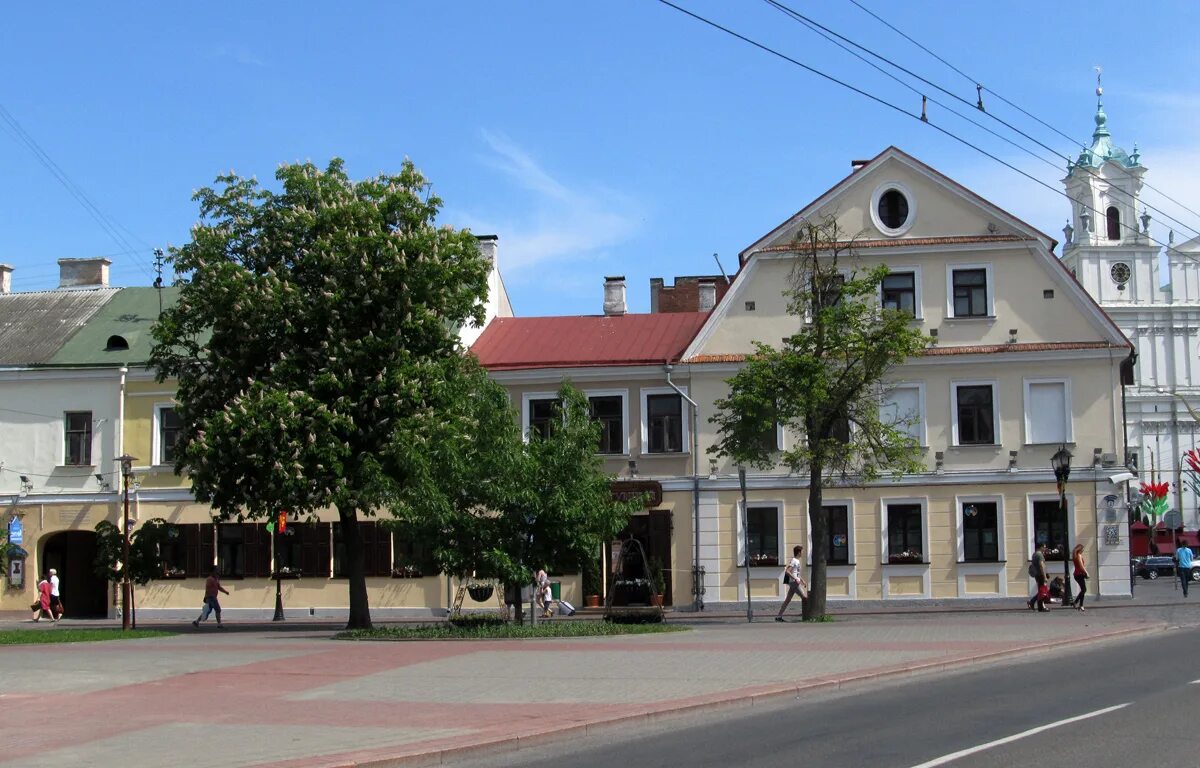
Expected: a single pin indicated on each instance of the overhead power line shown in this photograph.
(901, 110)
(835, 37)
(1028, 114)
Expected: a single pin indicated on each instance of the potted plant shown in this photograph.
(658, 584)
(590, 570)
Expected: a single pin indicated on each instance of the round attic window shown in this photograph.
(893, 209)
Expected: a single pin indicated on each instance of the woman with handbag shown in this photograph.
(794, 580)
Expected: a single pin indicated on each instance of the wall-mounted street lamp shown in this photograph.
(1061, 461)
(126, 588)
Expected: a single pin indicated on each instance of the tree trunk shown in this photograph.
(514, 591)
(360, 610)
(814, 606)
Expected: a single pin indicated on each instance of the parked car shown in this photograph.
(1153, 567)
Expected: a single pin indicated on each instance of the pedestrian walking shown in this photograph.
(1037, 571)
(794, 580)
(212, 585)
(1081, 575)
(41, 606)
(1183, 564)
(56, 604)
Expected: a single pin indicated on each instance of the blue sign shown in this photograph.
(16, 534)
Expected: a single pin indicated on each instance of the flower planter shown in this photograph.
(480, 592)
(591, 601)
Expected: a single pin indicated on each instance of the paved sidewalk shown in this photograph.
(296, 698)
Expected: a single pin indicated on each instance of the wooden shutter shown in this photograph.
(314, 549)
(257, 550)
(200, 549)
(377, 548)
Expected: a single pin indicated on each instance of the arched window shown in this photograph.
(1114, 223)
(116, 342)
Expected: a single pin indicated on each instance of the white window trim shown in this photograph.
(1071, 534)
(156, 434)
(848, 503)
(526, 399)
(984, 568)
(922, 425)
(1068, 410)
(918, 299)
(917, 569)
(996, 437)
(624, 395)
(912, 208)
(684, 417)
(989, 288)
(783, 555)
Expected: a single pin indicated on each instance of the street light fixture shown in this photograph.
(1061, 461)
(126, 588)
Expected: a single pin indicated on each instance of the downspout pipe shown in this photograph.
(696, 602)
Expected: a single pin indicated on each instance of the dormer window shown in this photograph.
(116, 343)
(1113, 219)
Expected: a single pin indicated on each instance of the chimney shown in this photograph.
(487, 247)
(656, 285)
(6, 271)
(707, 294)
(83, 273)
(614, 295)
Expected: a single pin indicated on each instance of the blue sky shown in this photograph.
(594, 138)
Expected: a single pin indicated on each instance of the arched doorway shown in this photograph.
(73, 555)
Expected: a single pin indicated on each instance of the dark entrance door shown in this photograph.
(653, 531)
(73, 555)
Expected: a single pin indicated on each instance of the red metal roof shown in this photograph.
(514, 343)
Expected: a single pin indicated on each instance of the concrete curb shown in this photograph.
(745, 698)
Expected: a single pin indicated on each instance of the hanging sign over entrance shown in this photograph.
(649, 491)
(16, 533)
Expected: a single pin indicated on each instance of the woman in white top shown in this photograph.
(793, 577)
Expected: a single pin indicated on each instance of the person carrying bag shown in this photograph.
(794, 580)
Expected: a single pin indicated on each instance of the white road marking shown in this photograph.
(944, 759)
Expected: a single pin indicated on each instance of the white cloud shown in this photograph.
(558, 222)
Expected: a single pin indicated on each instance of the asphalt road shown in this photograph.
(1118, 704)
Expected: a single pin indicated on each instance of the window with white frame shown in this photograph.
(900, 290)
(664, 428)
(903, 407)
(608, 409)
(166, 433)
(975, 413)
(1048, 411)
(838, 526)
(980, 531)
(970, 290)
(905, 532)
(762, 535)
(77, 431)
(540, 411)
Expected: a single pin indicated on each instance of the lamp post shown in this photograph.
(126, 588)
(278, 583)
(1061, 461)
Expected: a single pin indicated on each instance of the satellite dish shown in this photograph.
(1173, 520)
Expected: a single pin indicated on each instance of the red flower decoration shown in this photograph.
(1193, 459)
(1155, 490)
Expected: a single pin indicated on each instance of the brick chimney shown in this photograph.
(83, 273)
(707, 294)
(6, 271)
(614, 295)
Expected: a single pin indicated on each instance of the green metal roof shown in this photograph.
(127, 318)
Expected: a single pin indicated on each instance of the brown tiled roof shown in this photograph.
(901, 242)
(977, 349)
(521, 343)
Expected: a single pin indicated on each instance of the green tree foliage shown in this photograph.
(145, 550)
(315, 328)
(826, 383)
(489, 504)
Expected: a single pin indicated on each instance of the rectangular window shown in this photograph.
(904, 533)
(231, 550)
(1046, 412)
(173, 551)
(980, 534)
(78, 431)
(827, 289)
(840, 430)
(543, 415)
(762, 535)
(976, 424)
(168, 434)
(899, 292)
(664, 423)
(838, 516)
(609, 411)
(410, 559)
(1050, 528)
(970, 292)
(900, 407)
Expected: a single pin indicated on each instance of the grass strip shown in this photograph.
(507, 631)
(57, 635)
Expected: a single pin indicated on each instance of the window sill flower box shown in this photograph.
(763, 561)
(406, 572)
(174, 573)
(286, 573)
(905, 558)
